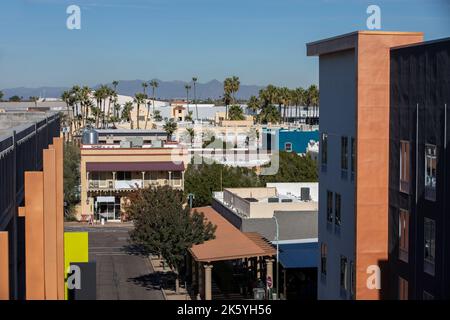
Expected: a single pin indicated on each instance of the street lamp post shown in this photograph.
(278, 254)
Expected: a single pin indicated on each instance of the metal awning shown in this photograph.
(299, 255)
(134, 166)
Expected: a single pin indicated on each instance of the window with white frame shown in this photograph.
(329, 206)
(404, 166)
(430, 172)
(337, 209)
(403, 234)
(288, 146)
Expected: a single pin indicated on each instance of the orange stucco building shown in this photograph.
(354, 160)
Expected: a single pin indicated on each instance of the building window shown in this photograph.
(430, 172)
(403, 235)
(324, 149)
(429, 245)
(123, 175)
(353, 157)
(343, 273)
(288, 147)
(330, 206)
(337, 209)
(404, 166)
(427, 296)
(402, 289)
(344, 157)
(323, 258)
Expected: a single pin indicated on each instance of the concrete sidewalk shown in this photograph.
(168, 289)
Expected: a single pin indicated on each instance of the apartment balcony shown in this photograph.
(128, 185)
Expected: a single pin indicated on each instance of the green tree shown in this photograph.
(165, 226)
(1, 95)
(191, 133)
(139, 98)
(170, 127)
(15, 98)
(269, 114)
(71, 176)
(126, 113)
(253, 104)
(188, 88)
(293, 168)
(236, 113)
(194, 81)
(157, 115)
(203, 179)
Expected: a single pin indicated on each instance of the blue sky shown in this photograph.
(261, 41)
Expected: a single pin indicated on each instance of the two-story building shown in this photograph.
(110, 171)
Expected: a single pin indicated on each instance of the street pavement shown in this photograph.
(122, 273)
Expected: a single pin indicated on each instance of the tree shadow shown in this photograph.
(134, 250)
(155, 281)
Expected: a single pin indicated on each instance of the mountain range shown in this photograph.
(166, 90)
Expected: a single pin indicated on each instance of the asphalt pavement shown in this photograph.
(122, 272)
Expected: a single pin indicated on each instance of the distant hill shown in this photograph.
(166, 90)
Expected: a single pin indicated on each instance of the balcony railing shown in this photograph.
(132, 184)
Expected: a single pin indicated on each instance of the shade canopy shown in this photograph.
(229, 242)
(299, 255)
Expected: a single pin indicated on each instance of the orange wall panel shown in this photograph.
(50, 251)
(4, 266)
(34, 236)
(58, 145)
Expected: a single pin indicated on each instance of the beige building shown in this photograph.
(263, 202)
(110, 172)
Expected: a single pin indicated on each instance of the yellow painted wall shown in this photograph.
(76, 249)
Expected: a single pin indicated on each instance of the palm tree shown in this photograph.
(227, 93)
(187, 87)
(139, 98)
(194, 80)
(154, 84)
(98, 95)
(170, 127)
(235, 84)
(284, 98)
(115, 83)
(65, 96)
(84, 98)
(236, 112)
(126, 113)
(191, 133)
(144, 86)
(253, 105)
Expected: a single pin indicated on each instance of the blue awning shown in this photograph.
(299, 255)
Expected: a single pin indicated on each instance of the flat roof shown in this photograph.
(347, 41)
(229, 242)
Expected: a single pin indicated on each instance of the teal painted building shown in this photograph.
(289, 140)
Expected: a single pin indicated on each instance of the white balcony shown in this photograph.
(127, 184)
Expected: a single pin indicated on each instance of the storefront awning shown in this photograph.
(229, 243)
(134, 166)
(299, 255)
